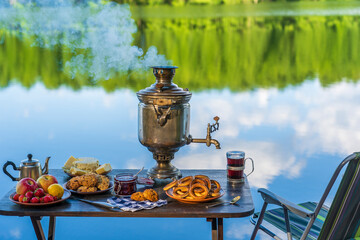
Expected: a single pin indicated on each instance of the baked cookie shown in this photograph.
(87, 189)
(151, 195)
(103, 182)
(138, 196)
(73, 184)
(88, 180)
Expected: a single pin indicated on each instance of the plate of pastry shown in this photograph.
(89, 184)
(84, 165)
(194, 189)
(190, 199)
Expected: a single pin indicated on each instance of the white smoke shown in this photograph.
(99, 36)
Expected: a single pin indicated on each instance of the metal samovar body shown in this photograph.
(164, 122)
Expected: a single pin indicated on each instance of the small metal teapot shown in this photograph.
(28, 168)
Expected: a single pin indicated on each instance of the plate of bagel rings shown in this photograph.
(194, 189)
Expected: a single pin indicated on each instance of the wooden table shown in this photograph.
(174, 209)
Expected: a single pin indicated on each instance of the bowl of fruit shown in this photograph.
(45, 191)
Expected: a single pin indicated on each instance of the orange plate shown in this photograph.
(89, 193)
(170, 194)
(66, 195)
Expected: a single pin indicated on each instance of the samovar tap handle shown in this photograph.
(208, 140)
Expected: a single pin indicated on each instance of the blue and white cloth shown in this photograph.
(126, 204)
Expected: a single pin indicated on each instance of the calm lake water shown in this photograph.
(284, 79)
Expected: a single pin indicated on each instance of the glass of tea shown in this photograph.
(236, 165)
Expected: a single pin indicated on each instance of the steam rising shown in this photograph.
(98, 35)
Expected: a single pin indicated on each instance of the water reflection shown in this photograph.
(276, 128)
(92, 122)
(94, 38)
(238, 53)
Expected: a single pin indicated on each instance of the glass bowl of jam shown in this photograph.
(124, 184)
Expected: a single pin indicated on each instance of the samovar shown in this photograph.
(164, 122)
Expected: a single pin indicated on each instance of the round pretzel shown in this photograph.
(217, 186)
(215, 194)
(180, 192)
(201, 195)
(205, 178)
(198, 190)
(170, 185)
(185, 181)
(198, 180)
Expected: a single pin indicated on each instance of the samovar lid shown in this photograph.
(164, 87)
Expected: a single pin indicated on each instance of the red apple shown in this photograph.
(25, 185)
(44, 181)
(16, 197)
(35, 200)
(39, 192)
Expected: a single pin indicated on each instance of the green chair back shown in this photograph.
(343, 218)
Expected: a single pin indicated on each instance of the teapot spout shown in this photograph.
(45, 170)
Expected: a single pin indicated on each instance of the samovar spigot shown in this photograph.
(208, 140)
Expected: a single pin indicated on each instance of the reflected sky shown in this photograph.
(291, 134)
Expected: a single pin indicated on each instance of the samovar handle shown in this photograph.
(162, 116)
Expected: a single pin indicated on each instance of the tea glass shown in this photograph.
(235, 166)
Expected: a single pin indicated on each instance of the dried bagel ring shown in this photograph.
(185, 181)
(182, 189)
(198, 180)
(203, 194)
(215, 194)
(180, 192)
(198, 190)
(198, 194)
(217, 186)
(205, 178)
(170, 185)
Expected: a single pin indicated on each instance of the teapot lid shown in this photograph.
(164, 87)
(29, 161)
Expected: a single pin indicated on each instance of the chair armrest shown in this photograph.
(270, 197)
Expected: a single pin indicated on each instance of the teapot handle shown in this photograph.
(14, 167)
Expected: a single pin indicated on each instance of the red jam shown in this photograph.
(124, 184)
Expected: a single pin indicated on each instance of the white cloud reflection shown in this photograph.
(276, 127)
(15, 233)
(241, 230)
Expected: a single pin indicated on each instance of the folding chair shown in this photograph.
(315, 221)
